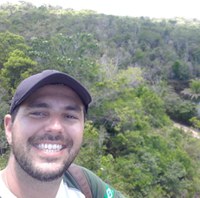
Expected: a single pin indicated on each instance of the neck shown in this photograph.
(23, 185)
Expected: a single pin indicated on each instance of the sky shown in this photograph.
(189, 9)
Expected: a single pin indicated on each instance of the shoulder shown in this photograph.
(100, 188)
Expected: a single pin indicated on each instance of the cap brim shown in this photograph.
(31, 84)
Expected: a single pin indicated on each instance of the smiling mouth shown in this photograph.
(50, 148)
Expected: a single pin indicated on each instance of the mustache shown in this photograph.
(47, 137)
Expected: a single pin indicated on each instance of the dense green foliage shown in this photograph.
(142, 74)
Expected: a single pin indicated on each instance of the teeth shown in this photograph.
(50, 147)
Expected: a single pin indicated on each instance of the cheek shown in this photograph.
(21, 132)
(77, 135)
(17, 135)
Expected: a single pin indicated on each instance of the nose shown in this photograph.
(54, 124)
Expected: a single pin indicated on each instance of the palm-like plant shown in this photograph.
(193, 92)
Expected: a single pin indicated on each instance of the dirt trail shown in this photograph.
(195, 133)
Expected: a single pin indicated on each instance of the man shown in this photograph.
(45, 131)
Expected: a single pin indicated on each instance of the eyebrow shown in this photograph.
(70, 107)
(38, 105)
(73, 107)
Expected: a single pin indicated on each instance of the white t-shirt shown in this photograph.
(63, 192)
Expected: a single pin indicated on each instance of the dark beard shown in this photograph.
(27, 164)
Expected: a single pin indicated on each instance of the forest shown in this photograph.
(144, 76)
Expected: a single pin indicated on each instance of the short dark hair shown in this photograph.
(14, 113)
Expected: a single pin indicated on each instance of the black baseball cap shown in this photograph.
(46, 77)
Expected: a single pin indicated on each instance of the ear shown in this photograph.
(8, 127)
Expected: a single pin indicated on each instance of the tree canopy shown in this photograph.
(143, 75)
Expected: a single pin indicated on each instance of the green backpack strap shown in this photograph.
(78, 174)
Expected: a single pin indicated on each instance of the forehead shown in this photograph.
(54, 91)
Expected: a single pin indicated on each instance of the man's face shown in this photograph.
(47, 132)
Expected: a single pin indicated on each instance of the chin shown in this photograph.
(48, 172)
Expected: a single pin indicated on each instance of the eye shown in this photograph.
(70, 116)
(38, 114)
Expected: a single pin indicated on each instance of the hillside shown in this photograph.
(143, 75)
